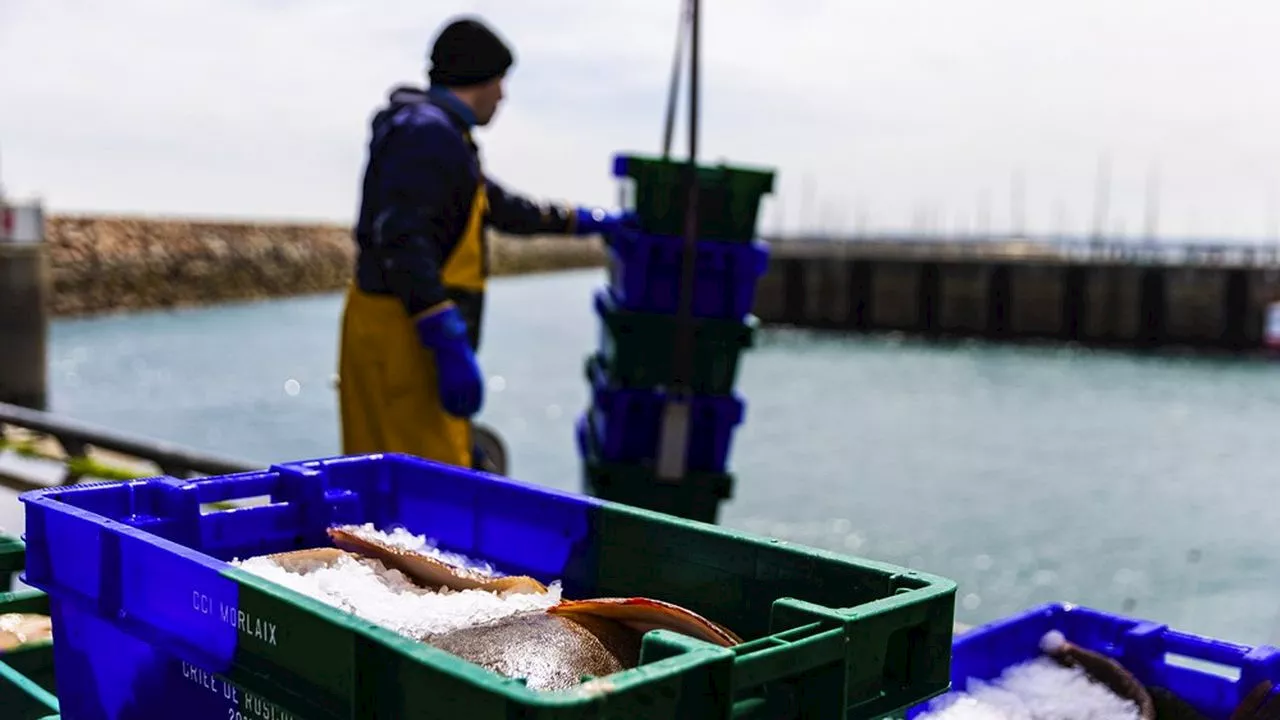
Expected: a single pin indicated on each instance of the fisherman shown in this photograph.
(408, 377)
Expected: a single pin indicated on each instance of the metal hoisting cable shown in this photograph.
(674, 440)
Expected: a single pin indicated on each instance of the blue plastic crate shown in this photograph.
(696, 496)
(644, 274)
(150, 620)
(1156, 655)
(627, 423)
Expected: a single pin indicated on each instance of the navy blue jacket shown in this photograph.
(419, 184)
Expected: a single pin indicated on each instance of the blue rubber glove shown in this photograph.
(461, 385)
(598, 221)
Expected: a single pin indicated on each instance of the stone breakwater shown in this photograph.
(116, 264)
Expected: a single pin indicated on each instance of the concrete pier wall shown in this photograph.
(896, 295)
(998, 293)
(962, 302)
(1036, 303)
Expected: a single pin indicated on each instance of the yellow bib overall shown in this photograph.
(388, 395)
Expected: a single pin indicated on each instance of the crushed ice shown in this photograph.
(1037, 690)
(402, 538)
(373, 592)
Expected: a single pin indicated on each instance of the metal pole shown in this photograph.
(807, 191)
(1102, 192)
(1017, 208)
(674, 442)
(1060, 218)
(1153, 202)
(984, 215)
(1273, 218)
(673, 91)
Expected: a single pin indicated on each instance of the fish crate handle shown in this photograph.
(1202, 648)
(1149, 646)
(304, 488)
(284, 481)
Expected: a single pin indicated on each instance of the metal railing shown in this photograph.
(76, 438)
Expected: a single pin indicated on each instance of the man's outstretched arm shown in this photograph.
(515, 214)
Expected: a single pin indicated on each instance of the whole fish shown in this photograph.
(555, 649)
(548, 651)
(1155, 702)
(1101, 669)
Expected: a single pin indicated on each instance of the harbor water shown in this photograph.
(1132, 483)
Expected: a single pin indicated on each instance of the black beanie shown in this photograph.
(467, 52)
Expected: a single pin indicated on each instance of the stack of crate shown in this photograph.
(633, 368)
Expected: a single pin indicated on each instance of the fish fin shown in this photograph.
(514, 584)
(427, 571)
(644, 614)
(1260, 704)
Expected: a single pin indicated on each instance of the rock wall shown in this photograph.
(114, 264)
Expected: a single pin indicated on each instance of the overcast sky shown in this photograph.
(891, 112)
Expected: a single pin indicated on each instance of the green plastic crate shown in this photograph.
(697, 496)
(636, 349)
(27, 687)
(12, 555)
(728, 197)
(828, 635)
